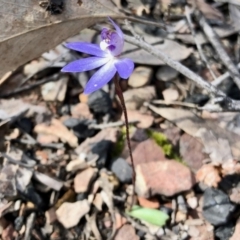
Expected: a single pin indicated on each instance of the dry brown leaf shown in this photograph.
(222, 32)
(57, 129)
(208, 10)
(48, 181)
(149, 203)
(234, 12)
(230, 167)
(218, 148)
(173, 49)
(69, 214)
(83, 180)
(135, 97)
(11, 109)
(93, 147)
(92, 222)
(27, 30)
(4, 206)
(55, 91)
(7, 181)
(9, 233)
(81, 110)
(120, 220)
(23, 177)
(98, 201)
(144, 121)
(50, 215)
(126, 232)
(209, 175)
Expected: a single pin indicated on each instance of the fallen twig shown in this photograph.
(221, 78)
(55, 77)
(198, 45)
(216, 43)
(183, 104)
(111, 124)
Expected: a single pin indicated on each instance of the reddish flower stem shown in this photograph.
(121, 98)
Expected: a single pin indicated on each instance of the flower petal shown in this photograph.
(124, 67)
(89, 48)
(118, 29)
(85, 64)
(100, 78)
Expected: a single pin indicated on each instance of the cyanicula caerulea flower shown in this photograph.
(106, 56)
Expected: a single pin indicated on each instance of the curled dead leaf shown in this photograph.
(209, 175)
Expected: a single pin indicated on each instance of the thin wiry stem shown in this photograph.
(121, 98)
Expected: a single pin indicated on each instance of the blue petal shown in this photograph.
(118, 29)
(100, 78)
(124, 67)
(89, 48)
(85, 64)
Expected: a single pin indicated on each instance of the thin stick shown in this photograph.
(223, 77)
(121, 98)
(222, 53)
(55, 77)
(178, 103)
(198, 45)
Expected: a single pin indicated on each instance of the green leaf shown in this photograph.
(153, 216)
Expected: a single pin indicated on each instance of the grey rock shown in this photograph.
(80, 127)
(217, 208)
(122, 170)
(100, 102)
(225, 232)
(166, 73)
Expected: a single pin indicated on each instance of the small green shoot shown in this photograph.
(149, 215)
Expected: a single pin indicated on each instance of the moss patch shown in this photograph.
(119, 145)
(166, 146)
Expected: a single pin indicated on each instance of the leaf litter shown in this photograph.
(65, 169)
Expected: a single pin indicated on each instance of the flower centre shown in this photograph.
(111, 41)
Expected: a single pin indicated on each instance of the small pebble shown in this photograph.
(192, 202)
(100, 102)
(160, 232)
(194, 222)
(18, 223)
(140, 77)
(170, 94)
(166, 73)
(122, 170)
(180, 216)
(225, 232)
(193, 231)
(184, 235)
(81, 196)
(181, 204)
(140, 233)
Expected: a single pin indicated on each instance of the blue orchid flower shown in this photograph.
(106, 55)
